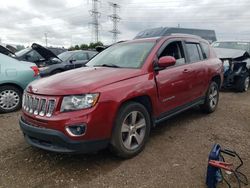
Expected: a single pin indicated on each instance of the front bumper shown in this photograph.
(56, 141)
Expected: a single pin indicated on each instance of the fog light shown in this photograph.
(76, 130)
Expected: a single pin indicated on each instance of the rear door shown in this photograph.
(172, 82)
(197, 61)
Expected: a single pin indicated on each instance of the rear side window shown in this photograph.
(193, 52)
(206, 50)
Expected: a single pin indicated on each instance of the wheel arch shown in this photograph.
(14, 85)
(144, 100)
(217, 79)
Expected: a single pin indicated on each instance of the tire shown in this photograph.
(242, 83)
(131, 130)
(10, 99)
(211, 98)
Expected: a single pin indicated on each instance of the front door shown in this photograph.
(173, 82)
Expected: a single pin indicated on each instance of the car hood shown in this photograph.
(5, 51)
(44, 52)
(231, 54)
(82, 80)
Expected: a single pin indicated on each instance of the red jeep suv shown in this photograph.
(121, 93)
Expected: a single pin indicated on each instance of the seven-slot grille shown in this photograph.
(38, 105)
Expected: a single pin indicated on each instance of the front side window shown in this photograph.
(175, 49)
(193, 52)
(124, 55)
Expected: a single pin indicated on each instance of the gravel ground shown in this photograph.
(175, 156)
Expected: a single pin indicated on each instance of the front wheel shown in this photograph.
(211, 98)
(131, 130)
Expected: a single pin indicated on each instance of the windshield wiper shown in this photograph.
(107, 65)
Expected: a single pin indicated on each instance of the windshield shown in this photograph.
(22, 52)
(232, 45)
(65, 55)
(124, 55)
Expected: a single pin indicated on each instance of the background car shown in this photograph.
(39, 55)
(14, 77)
(236, 68)
(70, 60)
(237, 45)
(57, 51)
(6, 51)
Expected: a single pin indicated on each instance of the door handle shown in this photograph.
(186, 70)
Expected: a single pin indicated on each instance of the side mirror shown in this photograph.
(166, 61)
(72, 60)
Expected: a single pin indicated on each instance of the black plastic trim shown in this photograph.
(56, 141)
(179, 109)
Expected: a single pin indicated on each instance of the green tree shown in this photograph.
(84, 47)
(77, 47)
(71, 48)
(93, 45)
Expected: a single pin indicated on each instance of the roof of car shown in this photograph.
(189, 36)
(73, 51)
(244, 41)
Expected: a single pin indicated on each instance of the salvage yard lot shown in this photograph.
(175, 156)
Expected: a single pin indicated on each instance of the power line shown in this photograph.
(115, 19)
(95, 20)
(46, 39)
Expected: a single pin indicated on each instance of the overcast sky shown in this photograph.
(66, 22)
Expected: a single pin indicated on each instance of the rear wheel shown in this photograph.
(131, 130)
(211, 99)
(242, 84)
(10, 99)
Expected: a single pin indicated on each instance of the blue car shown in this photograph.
(15, 75)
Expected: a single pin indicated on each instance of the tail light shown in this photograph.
(36, 70)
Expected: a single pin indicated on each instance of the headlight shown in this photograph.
(78, 102)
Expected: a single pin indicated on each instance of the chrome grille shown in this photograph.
(38, 105)
(30, 104)
(51, 107)
(42, 108)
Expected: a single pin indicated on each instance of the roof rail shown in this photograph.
(188, 35)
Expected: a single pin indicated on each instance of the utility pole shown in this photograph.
(115, 19)
(46, 39)
(95, 20)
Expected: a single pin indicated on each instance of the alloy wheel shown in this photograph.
(133, 130)
(213, 97)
